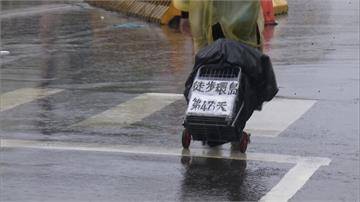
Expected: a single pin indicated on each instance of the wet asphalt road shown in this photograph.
(94, 66)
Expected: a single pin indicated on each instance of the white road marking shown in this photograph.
(296, 177)
(286, 188)
(15, 98)
(4, 52)
(131, 111)
(276, 116)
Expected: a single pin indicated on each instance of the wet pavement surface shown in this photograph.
(60, 175)
(87, 64)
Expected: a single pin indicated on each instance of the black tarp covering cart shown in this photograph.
(228, 82)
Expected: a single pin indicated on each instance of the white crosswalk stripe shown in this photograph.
(276, 116)
(131, 111)
(20, 96)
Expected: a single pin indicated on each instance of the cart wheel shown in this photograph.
(245, 140)
(186, 139)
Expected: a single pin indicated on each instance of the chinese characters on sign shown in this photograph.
(213, 97)
(216, 87)
(207, 105)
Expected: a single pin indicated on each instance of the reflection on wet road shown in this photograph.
(204, 177)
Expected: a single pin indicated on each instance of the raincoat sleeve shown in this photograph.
(182, 5)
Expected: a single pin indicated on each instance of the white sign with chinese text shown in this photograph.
(212, 97)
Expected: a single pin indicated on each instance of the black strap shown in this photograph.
(184, 14)
(217, 32)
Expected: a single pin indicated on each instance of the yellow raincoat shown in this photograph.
(240, 20)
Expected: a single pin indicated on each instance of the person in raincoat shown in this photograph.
(237, 20)
(208, 20)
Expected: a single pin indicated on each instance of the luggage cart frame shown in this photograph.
(215, 129)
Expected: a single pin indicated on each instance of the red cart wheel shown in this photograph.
(245, 140)
(186, 139)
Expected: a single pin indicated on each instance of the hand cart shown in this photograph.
(215, 103)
